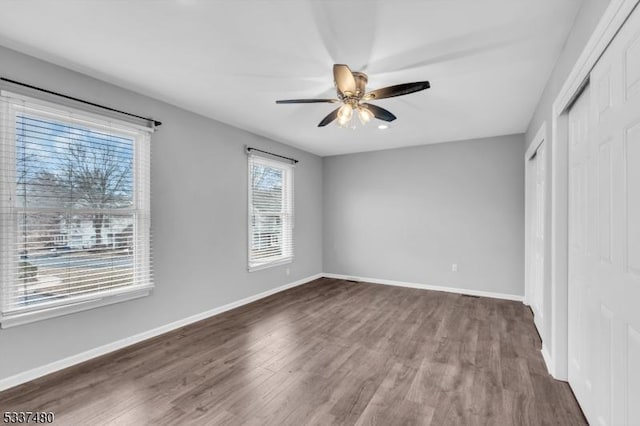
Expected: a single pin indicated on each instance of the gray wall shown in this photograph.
(408, 214)
(199, 213)
(584, 24)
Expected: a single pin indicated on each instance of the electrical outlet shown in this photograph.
(454, 267)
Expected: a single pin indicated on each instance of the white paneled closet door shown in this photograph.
(604, 235)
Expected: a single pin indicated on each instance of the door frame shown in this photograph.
(611, 21)
(529, 178)
(540, 318)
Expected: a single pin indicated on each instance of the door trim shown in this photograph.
(610, 23)
(537, 140)
(531, 200)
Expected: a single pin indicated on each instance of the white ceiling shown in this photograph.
(487, 60)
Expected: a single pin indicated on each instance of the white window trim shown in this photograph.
(142, 201)
(276, 260)
(79, 306)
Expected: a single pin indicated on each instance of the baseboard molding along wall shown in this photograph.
(546, 355)
(465, 291)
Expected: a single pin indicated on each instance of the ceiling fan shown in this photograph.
(350, 87)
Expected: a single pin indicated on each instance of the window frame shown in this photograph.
(288, 210)
(12, 105)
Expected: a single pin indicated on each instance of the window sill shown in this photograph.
(270, 264)
(15, 319)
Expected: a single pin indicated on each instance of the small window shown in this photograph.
(270, 213)
(75, 210)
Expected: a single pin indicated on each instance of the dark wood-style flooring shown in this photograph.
(328, 352)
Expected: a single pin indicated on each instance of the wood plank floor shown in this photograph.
(328, 352)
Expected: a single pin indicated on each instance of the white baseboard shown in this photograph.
(465, 291)
(37, 372)
(547, 359)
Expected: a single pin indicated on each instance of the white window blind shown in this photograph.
(271, 214)
(74, 210)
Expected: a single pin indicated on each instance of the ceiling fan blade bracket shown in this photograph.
(397, 90)
(306, 101)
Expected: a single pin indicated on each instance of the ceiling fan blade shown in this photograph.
(329, 118)
(306, 101)
(379, 113)
(397, 90)
(344, 80)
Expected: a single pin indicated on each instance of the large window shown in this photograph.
(270, 212)
(74, 210)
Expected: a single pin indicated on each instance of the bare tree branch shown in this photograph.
(98, 179)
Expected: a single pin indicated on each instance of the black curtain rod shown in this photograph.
(155, 122)
(271, 153)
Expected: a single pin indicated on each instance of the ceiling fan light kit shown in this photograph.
(364, 115)
(345, 112)
(351, 91)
